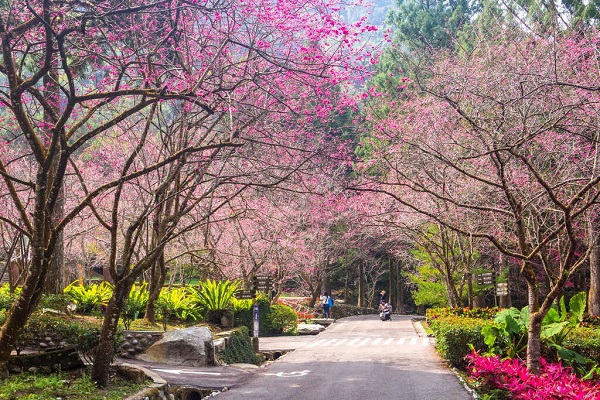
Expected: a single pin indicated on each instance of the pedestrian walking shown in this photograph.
(326, 301)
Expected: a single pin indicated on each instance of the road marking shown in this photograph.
(290, 374)
(317, 343)
(342, 341)
(369, 341)
(179, 372)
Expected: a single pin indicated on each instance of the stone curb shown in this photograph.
(156, 390)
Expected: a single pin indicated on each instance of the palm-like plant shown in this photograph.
(214, 298)
(89, 298)
(176, 303)
(135, 304)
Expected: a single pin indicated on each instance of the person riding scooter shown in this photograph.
(385, 311)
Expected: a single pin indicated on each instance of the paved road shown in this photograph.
(356, 358)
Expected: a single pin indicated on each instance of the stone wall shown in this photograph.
(136, 342)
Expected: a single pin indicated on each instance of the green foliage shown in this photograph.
(432, 24)
(239, 305)
(239, 349)
(507, 336)
(135, 304)
(7, 298)
(455, 336)
(62, 385)
(483, 312)
(176, 303)
(57, 302)
(81, 334)
(430, 292)
(282, 319)
(214, 298)
(244, 317)
(585, 341)
(89, 298)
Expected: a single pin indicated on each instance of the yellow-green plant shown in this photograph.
(135, 304)
(89, 298)
(176, 303)
(214, 297)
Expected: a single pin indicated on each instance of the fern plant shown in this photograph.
(89, 298)
(176, 303)
(214, 298)
(135, 304)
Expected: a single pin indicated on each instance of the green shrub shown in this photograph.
(240, 349)
(479, 312)
(282, 319)
(245, 317)
(57, 302)
(585, 341)
(454, 336)
(81, 334)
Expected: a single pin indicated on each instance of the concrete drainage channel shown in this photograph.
(273, 355)
(191, 393)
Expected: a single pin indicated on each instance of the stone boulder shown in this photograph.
(310, 329)
(191, 347)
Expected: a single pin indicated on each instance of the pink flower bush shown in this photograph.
(553, 382)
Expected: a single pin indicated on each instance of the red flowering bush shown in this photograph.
(553, 382)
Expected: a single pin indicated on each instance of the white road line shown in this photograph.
(389, 341)
(401, 340)
(413, 341)
(317, 343)
(425, 341)
(342, 341)
(367, 340)
(329, 342)
(350, 343)
(376, 341)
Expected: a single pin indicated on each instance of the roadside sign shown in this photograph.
(255, 319)
(502, 289)
(244, 294)
(486, 278)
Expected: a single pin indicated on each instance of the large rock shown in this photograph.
(310, 329)
(191, 347)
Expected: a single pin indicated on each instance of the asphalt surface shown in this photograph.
(354, 358)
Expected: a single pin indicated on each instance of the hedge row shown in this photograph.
(454, 334)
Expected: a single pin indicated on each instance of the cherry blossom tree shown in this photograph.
(501, 145)
(177, 86)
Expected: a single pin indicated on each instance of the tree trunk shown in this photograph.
(157, 278)
(55, 278)
(361, 284)
(105, 350)
(594, 244)
(534, 342)
(17, 316)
